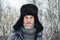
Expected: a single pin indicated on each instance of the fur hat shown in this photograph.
(29, 9)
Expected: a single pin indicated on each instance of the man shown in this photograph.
(28, 26)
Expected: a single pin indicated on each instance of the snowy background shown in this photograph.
(49, 16)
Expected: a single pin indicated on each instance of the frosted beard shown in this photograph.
(28, 26)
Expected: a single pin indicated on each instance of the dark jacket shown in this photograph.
(18, 36)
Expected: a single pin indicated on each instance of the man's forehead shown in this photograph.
(28, 16)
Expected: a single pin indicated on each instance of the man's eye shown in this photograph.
(26, 17)
(30, 17)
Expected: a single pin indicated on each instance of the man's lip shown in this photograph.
(28, 23)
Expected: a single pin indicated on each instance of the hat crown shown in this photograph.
(29, 9)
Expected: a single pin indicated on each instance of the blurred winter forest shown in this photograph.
(49, 16)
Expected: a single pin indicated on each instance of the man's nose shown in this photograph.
(29, 20)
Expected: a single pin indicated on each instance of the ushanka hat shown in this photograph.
(29, 9)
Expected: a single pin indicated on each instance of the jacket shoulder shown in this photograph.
(42, 36)
(11, 36)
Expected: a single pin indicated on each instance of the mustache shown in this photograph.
(28, 23)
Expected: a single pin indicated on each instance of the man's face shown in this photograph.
(28, 20)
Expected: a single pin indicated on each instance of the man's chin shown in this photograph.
(28, 26)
